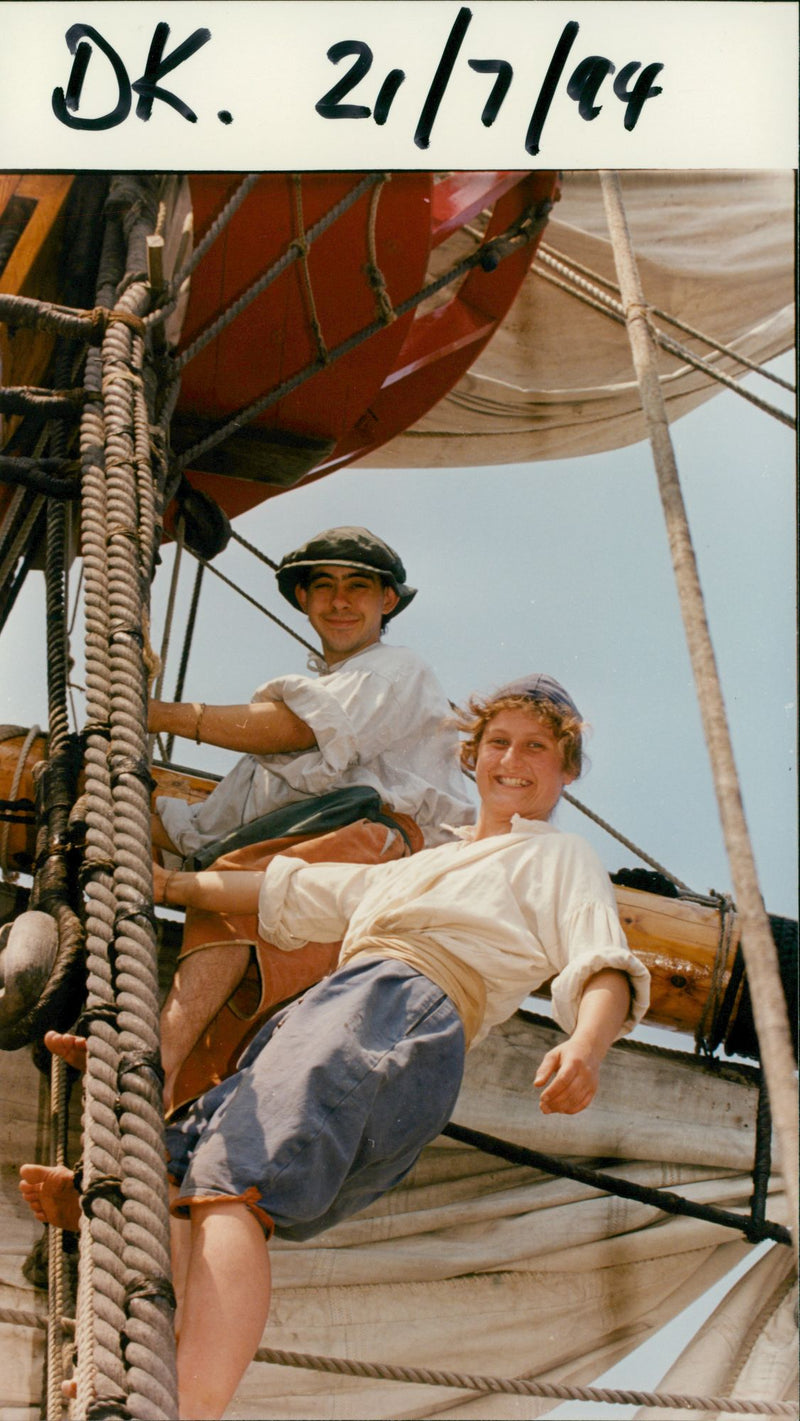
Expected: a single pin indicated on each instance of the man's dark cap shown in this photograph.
(539, 687)
(346, 547)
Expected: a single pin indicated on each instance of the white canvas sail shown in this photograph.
(715, 249)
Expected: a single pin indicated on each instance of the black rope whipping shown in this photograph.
(763, 1157)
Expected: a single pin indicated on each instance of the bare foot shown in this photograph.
(50, 1193)
(72, 1048)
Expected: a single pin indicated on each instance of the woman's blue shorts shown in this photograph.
(332, 1102)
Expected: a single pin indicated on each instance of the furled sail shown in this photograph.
(715, 249)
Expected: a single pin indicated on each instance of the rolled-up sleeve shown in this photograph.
(300, 903)
(596, 942)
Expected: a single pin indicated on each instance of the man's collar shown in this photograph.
(316, 661)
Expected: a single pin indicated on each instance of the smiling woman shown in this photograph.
(524, 744)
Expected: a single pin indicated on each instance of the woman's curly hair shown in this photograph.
(565, 725)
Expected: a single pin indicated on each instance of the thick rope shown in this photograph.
(604, 303)
(758, 948)
(571, 266)
(101, 1294)
(149, 1339)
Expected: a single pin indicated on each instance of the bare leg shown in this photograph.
(50, 1193)
(226, 1306)
(180, 1246)
(203, 983)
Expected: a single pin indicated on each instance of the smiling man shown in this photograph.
(374, 718)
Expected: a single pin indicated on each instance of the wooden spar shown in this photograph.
(769, 1005)
(677, 940)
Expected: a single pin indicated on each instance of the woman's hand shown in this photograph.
(572, 1072)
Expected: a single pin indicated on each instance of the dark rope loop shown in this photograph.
(103, 1186)
(105, 1013)
(134, 765)
(142, 908)
(133, 1062)
(97, 727)
(159, 1289)
(103, 1407)
(94, 868)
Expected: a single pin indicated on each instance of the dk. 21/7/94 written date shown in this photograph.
(632, 86)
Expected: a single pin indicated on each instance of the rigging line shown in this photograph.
(628, 843)
(301, 245)
(758, 947)
(514, 1386)
(611, 308)
(293, 252)
(522, 1386)
(251, 548)
(525, 230)
(160, 314)
(259, 605)
(188, 638)
(665, 1200)
(571, 265)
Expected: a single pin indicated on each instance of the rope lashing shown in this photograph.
(569, 265)
(45, 316)
(522, 232)
(601, 301)
(662, 1199)
(375, 276)
(706, 1033)
(122, 1124)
